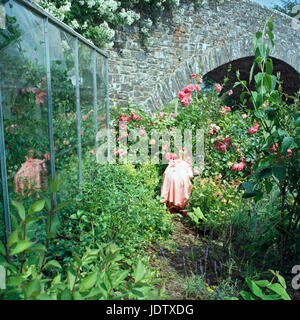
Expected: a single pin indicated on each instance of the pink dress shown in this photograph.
(176, 185)
(32, 175)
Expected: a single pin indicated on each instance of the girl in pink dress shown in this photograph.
(176, 185)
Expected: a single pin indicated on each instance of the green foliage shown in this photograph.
(278, 164)
(119, 204)
(213, 202)
(197, 288)
(265, 289)
(99, 272)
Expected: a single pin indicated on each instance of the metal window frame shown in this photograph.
(32, 6)
(5, 196)
(48, 18)
(78, 114)
(95, 98)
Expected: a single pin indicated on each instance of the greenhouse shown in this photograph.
(149, 150)
(53, 100)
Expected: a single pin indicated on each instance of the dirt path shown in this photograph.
(175, 259)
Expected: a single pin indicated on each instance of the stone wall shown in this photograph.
(215, 33)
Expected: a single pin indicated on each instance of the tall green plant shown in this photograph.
(279, 121)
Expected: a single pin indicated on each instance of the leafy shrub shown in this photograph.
(100, 272)
(265, 289)
(118, 204)
(217, 200)
(197, 288)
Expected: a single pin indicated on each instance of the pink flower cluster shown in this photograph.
(254, 129)
(121, 152)
(238, 166)
(124, 118)
(222, 144)
(185, 96)
(170, 156)
(199, 79)
(224, 110)
(41, 95)
(213, 129)
(142, 132)
(218, 87)
(275, 149)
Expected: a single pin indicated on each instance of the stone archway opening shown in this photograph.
(289, 76)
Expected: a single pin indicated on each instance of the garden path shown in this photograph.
(185, 242)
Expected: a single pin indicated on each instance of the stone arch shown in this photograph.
(217, 34)
(214, 58)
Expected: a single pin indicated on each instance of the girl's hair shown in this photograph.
(183, 154)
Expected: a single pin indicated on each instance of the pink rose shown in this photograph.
(193, 75)
(142, 132)
(152, 142)
(186, 100)
(82, 133)
(166, 146)
(274, 147)
(199, 80)
(238, 167)
(218, 87)
(162, 114)
(289, 152)
(197, 87)
(123, 118)
(230, 93)
(136, 117)
(181, 95)
(211, 132)
(123, 126)
(40, 98)
(254, 129)
(244, 116)
(227, 140)
(222, 147)
(173, 115)
(190, 88)
(170, 156)
(84, 117)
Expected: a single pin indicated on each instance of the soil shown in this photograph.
(185, 242)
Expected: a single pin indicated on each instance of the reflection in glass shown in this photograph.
(87, 123)
(63, 82)
(25, 114)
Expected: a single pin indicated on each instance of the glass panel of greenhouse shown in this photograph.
(53, 100)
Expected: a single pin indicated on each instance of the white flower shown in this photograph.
(91, 3)
(75, 24)
(85, 25)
